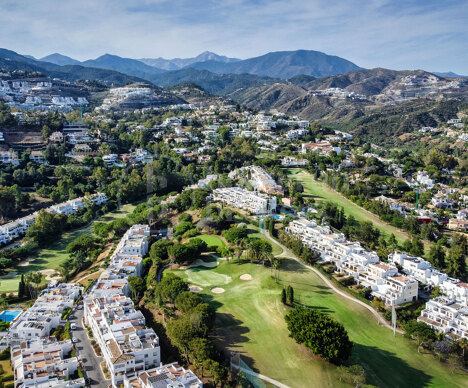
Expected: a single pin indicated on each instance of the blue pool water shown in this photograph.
(9, 315)
(277, 217)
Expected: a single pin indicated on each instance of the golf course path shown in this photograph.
(288, 254)
(262, 377)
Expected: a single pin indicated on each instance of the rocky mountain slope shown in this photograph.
(283, 64)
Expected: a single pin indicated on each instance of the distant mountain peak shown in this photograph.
(283, 64)
(59, 59)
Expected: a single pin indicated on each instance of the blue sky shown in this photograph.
(411, 34)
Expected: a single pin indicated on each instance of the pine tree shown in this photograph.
(456, 261)
(283, 296)
(437, 256)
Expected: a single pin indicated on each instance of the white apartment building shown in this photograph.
(170, 375)
(323, 147)
(291, 161)
(45, 314)
(141, 156)
(259, 179)
(424, 272)
(19, 227)
(110, 159)
(423, 179)
(104, 287)
(256, 203)
(447, 316)
(8, 157)
(127, 346)
(349, 257)
(418, 268)
(45, 362)
(36, 157)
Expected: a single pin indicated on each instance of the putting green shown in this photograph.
(211, 240)
(203, 277)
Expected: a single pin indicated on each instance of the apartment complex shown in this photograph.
(447, 316)
(422, 271)
(45, 315)
(15, 229)
(45, 362)
(255, 203)
(352, 259)
(129, 348)
(165, 376)
(259, 179)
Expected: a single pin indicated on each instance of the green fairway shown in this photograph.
(211, 240)
(320, 191)
(55, 254)
(250, 320)
(254, 232)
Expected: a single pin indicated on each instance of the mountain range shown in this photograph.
(280, 64)
(10, 61)
(179, 63)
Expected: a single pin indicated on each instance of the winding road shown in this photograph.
(289, 255)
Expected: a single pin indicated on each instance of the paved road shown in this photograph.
(288, 254)
(276, 383)
(86, 352)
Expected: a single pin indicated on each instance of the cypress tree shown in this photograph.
(21, 287)
(290, 295)
(283, 296)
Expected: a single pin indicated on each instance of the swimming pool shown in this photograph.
(9, 315)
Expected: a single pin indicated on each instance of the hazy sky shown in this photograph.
(423, 34)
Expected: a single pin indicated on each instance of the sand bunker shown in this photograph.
(217, 290)
(201, 263)
(246, 276)
(193, 288)
(49, 274)
(25, 263)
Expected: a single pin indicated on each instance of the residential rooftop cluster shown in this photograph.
(131, 351)
(255, 203)
(40, 360)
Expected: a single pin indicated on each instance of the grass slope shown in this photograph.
(320, 191)
(55, 254)
(250, 320)
(211, 240)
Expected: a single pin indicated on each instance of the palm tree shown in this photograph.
(463, 343)
(276, 265)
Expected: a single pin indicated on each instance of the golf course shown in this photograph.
(49, 259)
(250, 320)
(321, 192)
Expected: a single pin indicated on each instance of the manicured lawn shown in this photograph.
(55, 254)
(250, 320)
(211, 240)
(320, 191)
